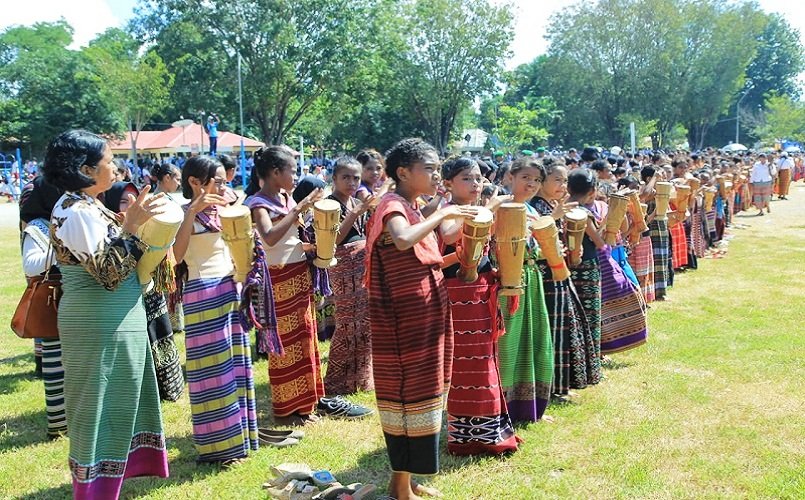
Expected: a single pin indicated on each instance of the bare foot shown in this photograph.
(420, 489)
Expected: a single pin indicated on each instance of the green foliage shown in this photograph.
(518, 128)
(454, 52)
(783, 119)
(136, 86)
(46, 88)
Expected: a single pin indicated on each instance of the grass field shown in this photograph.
(712, 407)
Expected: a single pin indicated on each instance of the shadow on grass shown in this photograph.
(9, 382)
(616, 365)
(183, 469)
(23, 430)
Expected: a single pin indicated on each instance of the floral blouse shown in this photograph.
(88, 234)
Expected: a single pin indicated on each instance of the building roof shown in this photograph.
(177, 138)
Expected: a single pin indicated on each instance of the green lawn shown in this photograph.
(712, 407)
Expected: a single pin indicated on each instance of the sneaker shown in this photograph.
(339, 407)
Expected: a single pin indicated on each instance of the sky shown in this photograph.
(90, 17)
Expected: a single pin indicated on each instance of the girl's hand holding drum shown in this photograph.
(141, 209)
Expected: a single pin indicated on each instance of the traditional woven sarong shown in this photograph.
(698, 243)
(642, 260)
(761, 193)
(295, 377)
(325, 316)
(693, 261)
(679, 246)
(662, 256)
(573, 344)
(219, 371)
(350, 367)
(586, 278)
(53, 375)
(167, 362)
(623, 311)
(526, 350)
(412, 354)
(478, 421)
(783, 181)
(110, 388)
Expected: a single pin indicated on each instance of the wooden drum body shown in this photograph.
(510, 239)
(663, 199)
(326, 221)
(547, 235)
(682, 199)
(474, 235)
(618, 205)
(236, 229)
(709, 197)
(638, 215)
(159, 233)
(575, 225)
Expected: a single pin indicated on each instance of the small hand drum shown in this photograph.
(326, 221)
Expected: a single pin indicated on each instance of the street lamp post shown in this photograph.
(240, 104)
(738, 117)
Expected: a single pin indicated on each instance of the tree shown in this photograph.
(137, 86)
(46, 88)
(784, 118)
(454, 53)
(518, 127)
(293, 50)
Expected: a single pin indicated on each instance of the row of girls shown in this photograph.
(115, 357)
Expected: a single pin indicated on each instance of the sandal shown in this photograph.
(278, 433)
(277, 442)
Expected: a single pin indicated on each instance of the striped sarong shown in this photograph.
(573, 344)
(642, 260)
(110, 388)
(295, 376)
(412, 355)
(623, 311)
(350, 366)
(478, 421)
(761, 193)
(698, 243)
(679, 246)
(662, 256)
(783, 181)
(526, 351)
(586, 279)
(53, 375)
(219, 371)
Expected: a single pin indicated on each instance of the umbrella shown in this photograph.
(793, 149)
(729, 148)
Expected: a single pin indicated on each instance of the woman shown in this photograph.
(219, 363)
(167, 361)
(761, 180)
(36, 204)
(110, 387)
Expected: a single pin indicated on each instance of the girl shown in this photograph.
(477, 418)
(641, 258)
(526, 351)
(572, 339)
(350, 366)
(371, 172)
(586, 277)
(295, 377)
(219, 363)
(409, 311)
(660, 244)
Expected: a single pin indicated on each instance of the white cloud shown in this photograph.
(87, 17)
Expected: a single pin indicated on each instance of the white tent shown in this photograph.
(731, 148)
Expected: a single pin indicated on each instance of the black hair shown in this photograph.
(405, 153)
(202, 168)
(599, 165)
(67, 153)
(647, 173)
(345, 162)
(160, 170)
(228, 162)
(455, 166)
(571, 161)
(266, 160)
(627, 182)
(370, 154)
(581, 181)
(527, 162)
(550, 164)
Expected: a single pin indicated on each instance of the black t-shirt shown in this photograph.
(358, 230)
